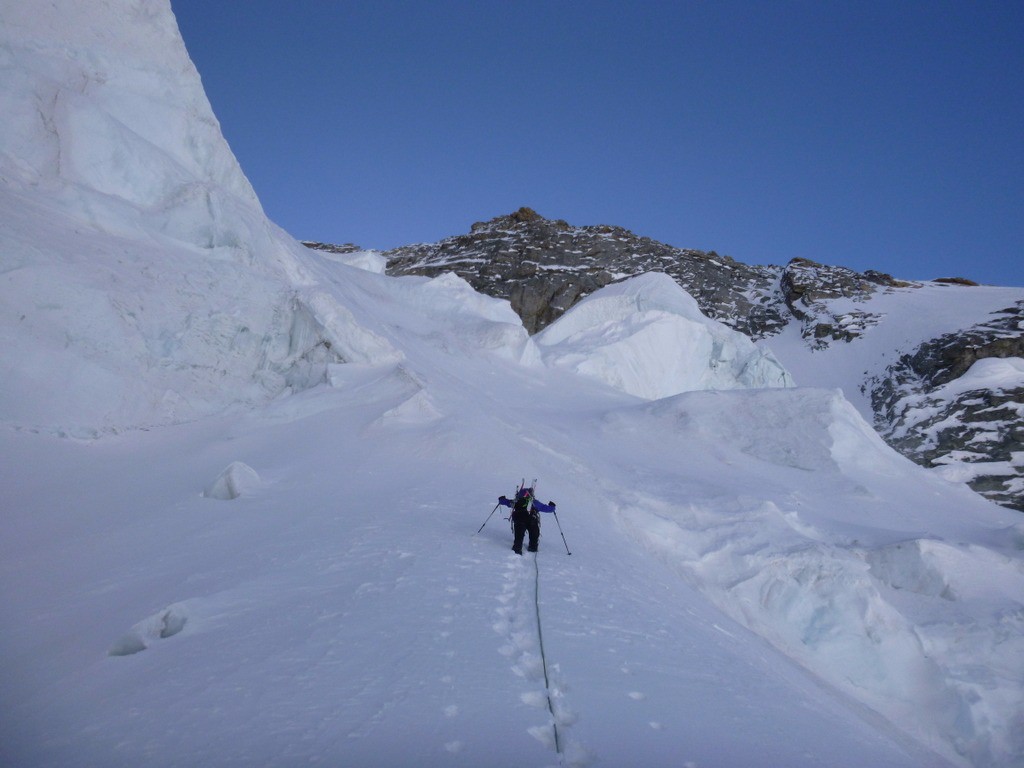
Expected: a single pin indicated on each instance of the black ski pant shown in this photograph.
(523, 522)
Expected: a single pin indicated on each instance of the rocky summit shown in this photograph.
(543, 267)
(973, 431)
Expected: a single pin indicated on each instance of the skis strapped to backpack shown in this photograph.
(528, 507)
(515, 500)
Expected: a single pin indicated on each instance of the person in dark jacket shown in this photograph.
(526, 518)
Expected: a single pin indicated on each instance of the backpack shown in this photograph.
(524, 501)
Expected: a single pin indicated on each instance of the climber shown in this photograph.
(526, 518)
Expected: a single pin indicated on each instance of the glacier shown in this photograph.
(243, 483)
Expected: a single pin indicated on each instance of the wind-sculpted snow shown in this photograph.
(371, 261)
(106, 333)
(869, 584)
(237, 478)
(443, 314)
(646, 336)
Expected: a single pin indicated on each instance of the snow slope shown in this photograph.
(284, 567)
(340, 608)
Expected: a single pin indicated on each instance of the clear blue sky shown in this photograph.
(876, 135)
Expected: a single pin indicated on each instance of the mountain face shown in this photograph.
(544, 267)
(958, 400)
(975, 434)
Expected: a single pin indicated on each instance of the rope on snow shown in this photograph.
(543, 658)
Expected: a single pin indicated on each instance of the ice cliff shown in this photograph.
(140, 282)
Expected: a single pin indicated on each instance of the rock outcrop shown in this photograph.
(929, 408)
(342, 248)
(545, 266)
(808, 287)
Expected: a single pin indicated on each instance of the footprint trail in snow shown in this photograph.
(518, 622)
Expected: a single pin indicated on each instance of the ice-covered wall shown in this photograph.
(140, 281)
(103, 98)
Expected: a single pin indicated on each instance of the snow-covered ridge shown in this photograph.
(954, 400)
(544, 267)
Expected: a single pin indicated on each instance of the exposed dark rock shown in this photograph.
(545, 266)
(982, 427)
(808, 287)
(881, 278)
(330, 248)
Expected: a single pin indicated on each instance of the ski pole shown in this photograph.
(560, 531)
(488, 517)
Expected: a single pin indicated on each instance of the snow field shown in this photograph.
(456, 374)
(345, 611)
